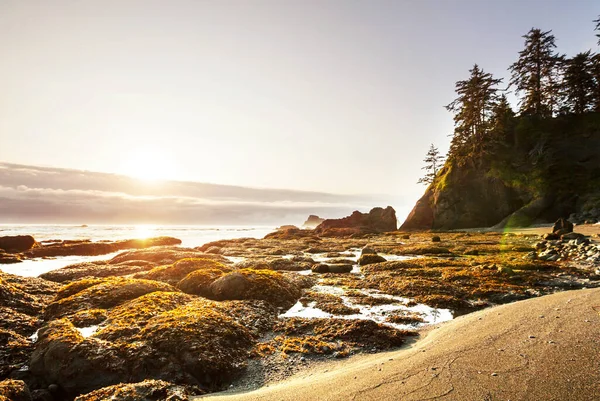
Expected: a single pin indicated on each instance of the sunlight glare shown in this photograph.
(144, 231)
(149, 164)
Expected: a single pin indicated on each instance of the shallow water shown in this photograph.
(191, 236)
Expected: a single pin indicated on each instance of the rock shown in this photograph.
(312, 222)
(173, 274)
(164, 256)
(378, 220)
(368, 251)
(571, 236)
(436, 238)
(245, 284)
(368, 259)
(505, 270)
(7, 258)
(550, 237)
(201, 343)
(288, 227)
(14, 352)
(100, 294)
(147, 390)
(17, 243)
(14, 390)
(562, 226)
(96, 269)
(406, 236)
(332, 268)
(89, 248)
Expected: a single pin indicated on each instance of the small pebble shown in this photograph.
(531, 336)
(494, 374)
(550, 342)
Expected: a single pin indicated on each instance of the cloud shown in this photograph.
(30, 194)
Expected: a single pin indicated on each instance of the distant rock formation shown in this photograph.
(378, 220)
(17, 243)
(312, 222)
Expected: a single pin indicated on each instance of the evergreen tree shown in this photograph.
(502, 122)
(578, 85)
(597, 28)
(536, 74)
(595, 72)
(434, 161)
(473, 108)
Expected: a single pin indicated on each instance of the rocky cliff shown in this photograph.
(545, 170)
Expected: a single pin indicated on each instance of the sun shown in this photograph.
(148, 164)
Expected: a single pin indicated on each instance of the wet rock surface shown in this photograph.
(148, 390)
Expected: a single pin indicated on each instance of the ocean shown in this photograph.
(191, 236)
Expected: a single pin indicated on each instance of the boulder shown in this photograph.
(17, 243)
(368, 251)
(562, 226)
(201, 343)
(148, 390)
(378, 220)
(436, 238)
(368, 259)
(14, 390)
(312, 222)
(332, 268)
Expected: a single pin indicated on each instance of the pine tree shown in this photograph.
(578, 85)
(501, 122)
(434, 161)
(597, 28)
(595, 72)
(537, 74)
(473, 108)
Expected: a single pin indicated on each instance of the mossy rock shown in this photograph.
(101, 294)
(172, 274)
(148, 390)
(368, 259)
(14, 390)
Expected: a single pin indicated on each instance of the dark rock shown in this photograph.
(148, 390)
(7, 258)
(550, 237)
(88, 248)
(436, 238)
(17, 243)
(378, 220)
(368, 259)
(312, 222)
(332, 268)
(43, 395)
(14, 390)
(562, 226)
(14, 352)
(367, 250)
(571, 235)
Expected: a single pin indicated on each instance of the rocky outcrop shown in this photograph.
(14, 390)
(17, 243)
(378, 220)
(312, 222)
(146, 390)
(461, 198)
(89, 248)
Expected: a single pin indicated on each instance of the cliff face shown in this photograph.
(464, 198)
(547, 170)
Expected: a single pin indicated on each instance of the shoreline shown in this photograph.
(498, 352)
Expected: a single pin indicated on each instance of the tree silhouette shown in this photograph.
(473, 108)
(578, 84)
(597, 28)
(536, 74)
(434, 161)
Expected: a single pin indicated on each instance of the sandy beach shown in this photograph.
(539, 349)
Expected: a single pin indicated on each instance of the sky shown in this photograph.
(330, 97)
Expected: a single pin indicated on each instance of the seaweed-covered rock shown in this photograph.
(198, 343)
(18, 322)
(148, 390)
(172, 274)
(14, 352)
(127, 319)
(246, 284)
(368, 259)
(100, 294)
(279, 264)
(13, 297)
(378, 220)
(164, 255)
(14, 390)
(89, 248)
(96, 269)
